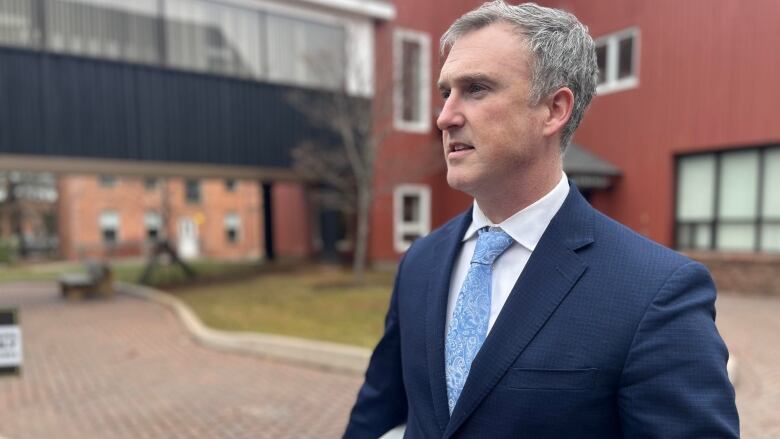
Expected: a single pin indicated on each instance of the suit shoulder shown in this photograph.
(633, 247)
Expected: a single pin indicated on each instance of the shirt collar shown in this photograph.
(526, 226)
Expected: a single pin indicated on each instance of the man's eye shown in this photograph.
(445, 94)
(476, 88)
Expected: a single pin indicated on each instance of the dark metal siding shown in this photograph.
(69, 106)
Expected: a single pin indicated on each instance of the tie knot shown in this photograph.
(491, 243)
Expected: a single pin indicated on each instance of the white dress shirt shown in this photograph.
(526, 228)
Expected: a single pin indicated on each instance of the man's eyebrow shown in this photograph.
(466, 79)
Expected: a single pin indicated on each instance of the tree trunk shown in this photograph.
(362, 232)
(17, 220)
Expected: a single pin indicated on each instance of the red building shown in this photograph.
(108, 216)
(684, 112)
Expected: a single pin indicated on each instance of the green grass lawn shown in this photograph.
(313, 302)
(309, 302)
(129, 271)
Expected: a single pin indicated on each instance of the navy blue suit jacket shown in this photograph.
(605, 335)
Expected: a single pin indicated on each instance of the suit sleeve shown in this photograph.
(381, 402)
(674, 382)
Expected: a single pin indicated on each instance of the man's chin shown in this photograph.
(460, 183)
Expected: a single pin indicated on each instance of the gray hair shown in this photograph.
(563, 51)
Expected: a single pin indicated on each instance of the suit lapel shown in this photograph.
(549, 275)
(445, 254)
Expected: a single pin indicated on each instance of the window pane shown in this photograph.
(152, 219)
(410, 80)
(16, 23)
(738, 185)
(626, 57)
(281, 48)
(695, 188)
(104, 28)
(411, 214)
(232, 220)
(736, 237)
(770, 238)
(601, 59)
(232, 227)
(107, 181)
(411, 208)
(306, 53)
(410, 237)
(109, 236)
(323, 55)
(193, 191)
(109, 219)
(152, 223)
(771, 202)
(684, 237)
(214, 38)
(702, 237)
(694, 237)
(109, 226)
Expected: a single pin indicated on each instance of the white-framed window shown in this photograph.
(109, 226)
(412, 96)
(151, 183)
(153, 225)
(232, 228)
(107, 181)
(215, 37)
(305, 52)
(192, 191)
(411, 214)
(617, 56)
(729, 200)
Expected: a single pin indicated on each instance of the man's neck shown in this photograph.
(500, 205)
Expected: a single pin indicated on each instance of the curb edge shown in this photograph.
(321, 354)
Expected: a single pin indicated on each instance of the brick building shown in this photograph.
(108, 216)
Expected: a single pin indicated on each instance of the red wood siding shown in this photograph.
(708, 79)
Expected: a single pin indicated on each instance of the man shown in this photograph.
(532, 315)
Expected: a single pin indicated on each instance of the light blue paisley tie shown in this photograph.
(469, 323)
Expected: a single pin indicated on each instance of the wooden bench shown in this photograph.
(97, 281)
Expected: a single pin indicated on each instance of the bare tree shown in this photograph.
(19, 192)
(346, 170)
(163, 246)
(361, 126)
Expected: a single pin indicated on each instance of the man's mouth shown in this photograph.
(458, 147)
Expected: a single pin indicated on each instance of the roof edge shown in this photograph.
(377, 9)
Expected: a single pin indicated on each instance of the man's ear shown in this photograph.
(559, 107)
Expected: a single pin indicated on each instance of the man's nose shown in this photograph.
(451, 115)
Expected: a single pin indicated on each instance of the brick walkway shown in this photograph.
(751, 328)
(126, 369)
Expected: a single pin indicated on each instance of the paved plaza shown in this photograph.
(126, 368)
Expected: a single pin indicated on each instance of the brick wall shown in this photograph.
(743, 273)
(82, 199)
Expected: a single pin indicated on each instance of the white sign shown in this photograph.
(10, 346)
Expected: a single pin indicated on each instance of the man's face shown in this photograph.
(490, 132)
